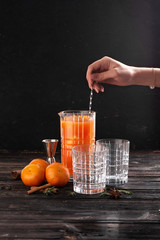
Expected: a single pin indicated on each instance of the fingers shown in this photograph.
(103, 76)
(98, 87)
(90, 70)
(97, 66)
(95, 79)
(101, 67)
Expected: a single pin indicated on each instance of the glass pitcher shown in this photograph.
(77, 127)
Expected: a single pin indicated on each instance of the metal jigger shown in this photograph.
(50, 147)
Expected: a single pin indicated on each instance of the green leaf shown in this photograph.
(125, 191)
(105, 193)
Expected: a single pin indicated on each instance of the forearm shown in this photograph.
(145, 76)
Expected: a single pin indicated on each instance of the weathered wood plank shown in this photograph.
(20, 193)
(49, 203)
(91, 231)
(130, 185)
(75, 215)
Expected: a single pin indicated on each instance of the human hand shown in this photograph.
(108, 70)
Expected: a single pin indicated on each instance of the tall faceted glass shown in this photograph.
(77, 127)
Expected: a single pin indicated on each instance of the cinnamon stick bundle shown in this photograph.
(16, 174)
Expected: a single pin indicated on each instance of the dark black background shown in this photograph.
(45, 49)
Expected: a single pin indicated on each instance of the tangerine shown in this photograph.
(57, 174)
(41, 162)
(33, 175)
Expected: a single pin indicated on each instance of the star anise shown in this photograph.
(50, 191)
(114, 193)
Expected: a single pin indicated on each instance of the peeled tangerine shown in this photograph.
(57, 174)
(33, 175)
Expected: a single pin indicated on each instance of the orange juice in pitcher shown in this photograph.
(77, 127)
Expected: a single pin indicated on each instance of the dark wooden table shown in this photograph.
(63, 216)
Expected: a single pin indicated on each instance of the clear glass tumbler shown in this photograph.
(90, 166)
(118, 160)
(77, 127)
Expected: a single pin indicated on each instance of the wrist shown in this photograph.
(157, 77)
(143, 76)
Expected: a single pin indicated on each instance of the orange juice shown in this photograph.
(76, 129)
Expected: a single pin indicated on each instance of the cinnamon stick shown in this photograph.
(16, 174)
(35, 189)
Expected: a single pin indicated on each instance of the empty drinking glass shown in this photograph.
(90, 164)
(118, 160)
